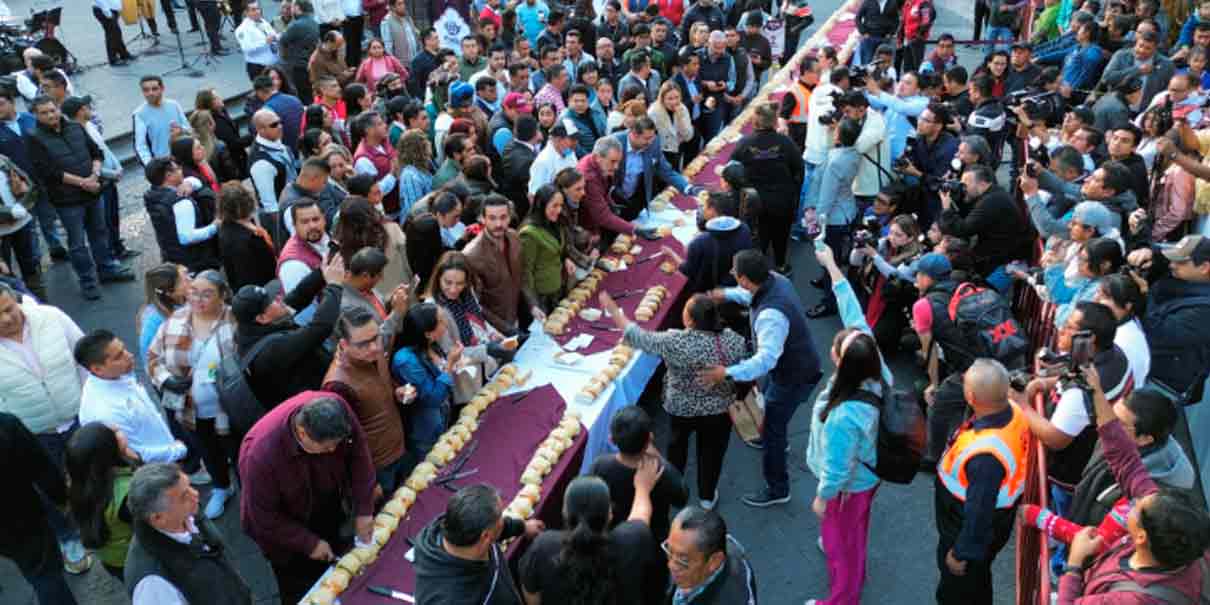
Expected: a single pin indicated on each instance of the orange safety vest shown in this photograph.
(1009, 444)
(802, 100)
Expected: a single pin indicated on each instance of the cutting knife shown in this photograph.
(392, 593)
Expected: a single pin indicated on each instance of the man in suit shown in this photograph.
(495, 257)
(642, 162)
(1144, 62)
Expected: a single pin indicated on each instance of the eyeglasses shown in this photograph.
(203, 294)
(680, 562)
(275, 124)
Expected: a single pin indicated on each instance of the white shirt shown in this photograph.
(293, 271)
(254, 41)
(7, 200)
(352, 8)
(155, 590)
(124, 403)
(264, 173)
(1070, 415)
(328, 11)
(547, 165)
(1133, 342)
(29, 89)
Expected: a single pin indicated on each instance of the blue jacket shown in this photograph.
(1178, 312)
(841, 446)
(590, 127)
(836, 204)
(431, 408)
(13, 146)
(1186, 36)
(654, 163)
(1082, 65)
(290, 110)
(897, 111)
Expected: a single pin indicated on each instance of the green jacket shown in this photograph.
(113, 553)
(542, 260)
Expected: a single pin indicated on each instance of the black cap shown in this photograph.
(252, 300)
(73, 105)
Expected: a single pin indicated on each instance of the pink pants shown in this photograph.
(846, 531)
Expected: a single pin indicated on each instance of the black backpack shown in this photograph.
(235, 395)
(902, 435)
(1166, 594)
(983, 326)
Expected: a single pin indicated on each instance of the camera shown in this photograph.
(909, 150)
(867, 233)
(1038, 156)
(840, 100)
(1037, 104)
(1019, 379)
(955, 190)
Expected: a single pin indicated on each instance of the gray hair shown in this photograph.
(979, 146)
(717, 36)
(709, 529)
(604, 145)
(988, 380)
(148, 488)
(470, 512)
(324, 420)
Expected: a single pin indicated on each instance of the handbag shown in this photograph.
(747, 414)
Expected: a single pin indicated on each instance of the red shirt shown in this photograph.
(595, 213)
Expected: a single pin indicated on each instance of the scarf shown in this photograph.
(465, 306)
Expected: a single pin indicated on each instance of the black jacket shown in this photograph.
(778, 162)
(68, 150)
(158, 201)
(299, 40)
(297, 360)
(709, 256)
(247, 259)
(1178, 312)
(878, 22)
(735, 586)
(442, 578)
(994, 217)
(1140, 183)
(200, 570)
(25, 535)
(514, 172)
(226, 130)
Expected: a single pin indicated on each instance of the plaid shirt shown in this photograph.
(169, 356)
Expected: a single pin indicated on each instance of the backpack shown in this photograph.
(902, 435)
(1166, 594)
(235, 395)
(984, 326)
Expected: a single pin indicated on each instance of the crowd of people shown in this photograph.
(398, 214)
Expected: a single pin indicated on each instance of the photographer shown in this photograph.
(1185, 96)
(836, 207)
(1178, 311)
(1050, 194)
(872, 145)
(1069, 433)
(956, 95)
(1022, 72)
(823, 111)
(973, 150)
(898, 110)
(1123, 140)
(889, 295)
(988, 119)
(992, 217)
(928, 160)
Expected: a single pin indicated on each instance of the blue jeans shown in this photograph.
(866, 48)
(88, 241)
(998, 33)
(809, 187)
(427, 424)
(44, 213)
(1060, 503)
(23, 244)
(390, 476)
(66, 530)
(781, 401)
(1000, 280)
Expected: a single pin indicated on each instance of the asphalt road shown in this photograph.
(781, 541)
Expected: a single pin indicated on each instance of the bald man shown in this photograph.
(271, 163)
(979, 482)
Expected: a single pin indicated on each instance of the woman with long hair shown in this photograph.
(452, 288)
(415, 156)
(1127, 300)
(672, 122)
(422, 234)
(312, 142)
(603, 98)
(588, 75)
(191, 155)
(547, 116)
(218, 154)
(183, 362)
(422, 363)
(888, 299)
(225, 128)
(362, 224)
(165, 288)
(545, 265)
(100, 465)
(842, 450)
(377, 64)
(246, 248)
(1100, 257)
(588, 563)
(734, 181)
(693, 407)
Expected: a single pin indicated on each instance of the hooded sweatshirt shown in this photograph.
(442, 578)
(708, 260)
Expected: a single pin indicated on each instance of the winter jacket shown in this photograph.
(444, 579)
(709, 256)
(1178, 312)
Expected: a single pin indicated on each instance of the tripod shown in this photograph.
(187, 67)
(153, 41)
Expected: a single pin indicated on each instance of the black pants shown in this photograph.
(212, 18)
(354, 29)
(837, 238)
(947, 412)
(301, 78)
(217, 451)
(774, 231)
(192, 8)
(913, 56)
(713, 435)
(972, 588)
(115, 47)
(297, 573)
(169, 16)
(981, 14)
(254, 70)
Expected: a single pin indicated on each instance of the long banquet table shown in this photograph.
(511, 429)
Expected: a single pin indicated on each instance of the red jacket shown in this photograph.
(671, 10)
(595, 213)
(1095, 586)
(918, 16)
(280, 480)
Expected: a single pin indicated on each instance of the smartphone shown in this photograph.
(1081, 349)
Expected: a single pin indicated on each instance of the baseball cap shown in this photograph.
(516, 101)
(252, 300)
(461, 94)
(1194, 248)
(564, 128)
(1095, 215)
(72, 105)
(933, 264)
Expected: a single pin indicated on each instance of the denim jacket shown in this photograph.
(431, 408)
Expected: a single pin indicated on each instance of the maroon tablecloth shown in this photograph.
(638, 277)
(508, 436)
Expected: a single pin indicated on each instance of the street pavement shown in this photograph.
(781, 540)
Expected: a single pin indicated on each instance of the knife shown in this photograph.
(624, 294)
(392, 593)
(652, 257)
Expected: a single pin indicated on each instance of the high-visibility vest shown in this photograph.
(802, 100)
(1009, 444)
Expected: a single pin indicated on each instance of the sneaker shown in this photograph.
(819, 543)
(201, 477)
(117, 274)
(709, 504)
(58, 254)
(92, 292)
(217, 503)
(80, 566)
(759, 444)
(765, 498)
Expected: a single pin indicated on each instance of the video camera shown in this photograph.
(1036, 103)
(840, 100)
(1037, 153)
